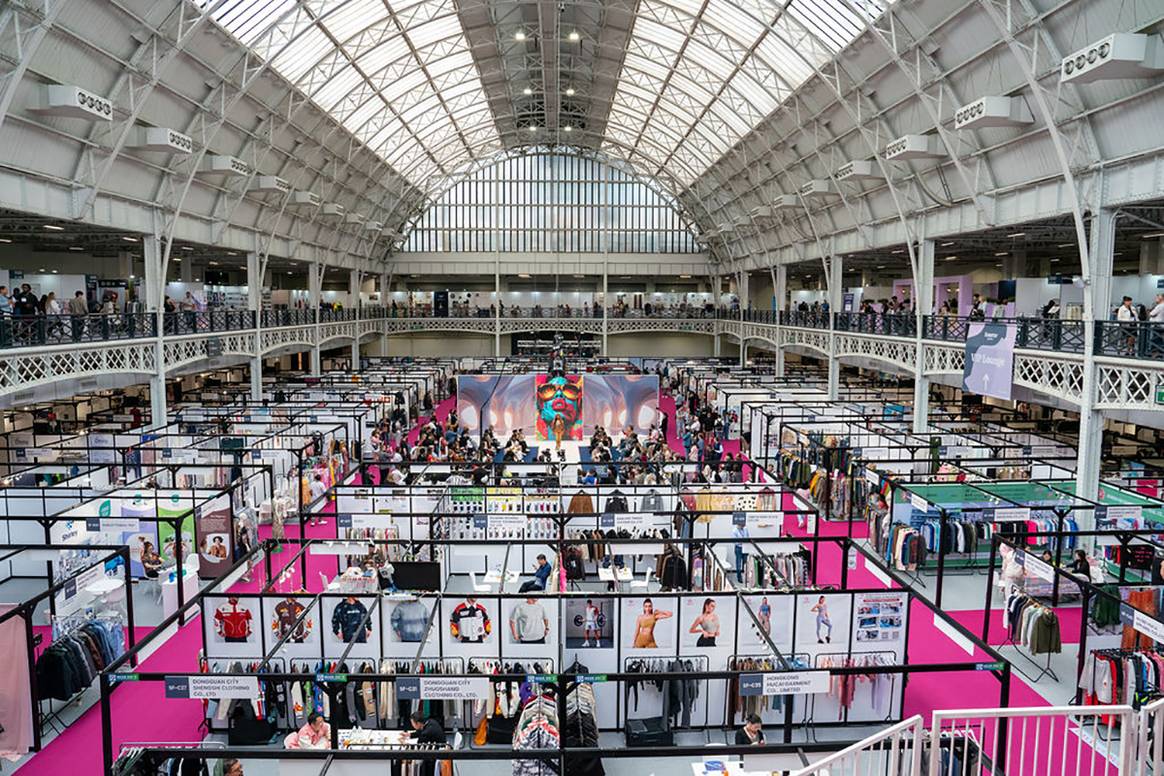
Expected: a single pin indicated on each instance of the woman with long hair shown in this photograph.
(706, 624)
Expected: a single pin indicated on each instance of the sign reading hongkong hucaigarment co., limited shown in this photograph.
(785, 683)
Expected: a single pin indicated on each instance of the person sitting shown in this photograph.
(751, 733)
(542, 571)
(316, 734)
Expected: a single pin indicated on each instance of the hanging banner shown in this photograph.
(212, 527)
(989, 365)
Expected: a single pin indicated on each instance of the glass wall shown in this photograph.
(552, 203)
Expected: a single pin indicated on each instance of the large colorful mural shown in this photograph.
(559, 397)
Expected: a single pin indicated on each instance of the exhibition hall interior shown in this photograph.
(581, 388)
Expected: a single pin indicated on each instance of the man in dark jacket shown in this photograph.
(428, 731)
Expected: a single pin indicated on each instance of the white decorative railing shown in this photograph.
(895, 751)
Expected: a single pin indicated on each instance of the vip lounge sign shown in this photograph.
(989, 365)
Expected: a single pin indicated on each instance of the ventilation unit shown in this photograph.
(354, 218)
(332, 210)
(73, 102)
(817, 188)
(308, 198)
(915, 147)
(373, 226)
(270, 183)
(224, 165)
(785, 201)
(1122, 55)
(858, 169)
(993, 111)
(163, 139)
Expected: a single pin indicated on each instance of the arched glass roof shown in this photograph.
(697, 75)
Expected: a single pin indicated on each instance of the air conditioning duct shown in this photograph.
(915, 147)
(373, 226)
(354, 218)
(1120, 55)
(73, 102)
(222, 164)
(858, 169)
(308, 198)
(817, 188)
(786, 201)
(263, 183)
(163, 139)
(993, 111)
(332, 210)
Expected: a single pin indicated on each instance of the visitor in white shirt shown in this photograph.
(1157, 313)
(1126, 314)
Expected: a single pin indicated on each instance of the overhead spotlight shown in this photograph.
(129, 239)
(527, 91)
(567, 128)
(1016, 235)
(54, 227)
(519, 35)
(532, 128)
(570, 92)
(1002, 253)
(187, 248)
(574, 35)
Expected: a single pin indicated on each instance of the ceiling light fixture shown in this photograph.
(685, 277)
(567, 128)
(950, 258)
(1003, 253)
(1065, 245)
(1151, 236)
(527, 91)
(947, 245)
(574, 35)
(187, 248)
(129, 239)
(519, 35)
(524, 275)
(54, 227)
(899, 250)
(881, 266)
(1017, 235)
(532, 128)
(570, 92)
(4, 240)
(76, 248)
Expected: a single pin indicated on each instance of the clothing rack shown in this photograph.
(701, 664)
(893, 660)
(1044, 670)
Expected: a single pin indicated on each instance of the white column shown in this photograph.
(314, 291)
(385, 303)
(780, 292)
(354, 297)
(497, 301)
(835, 281)
(923, 297)
(606, 304)
(744, 292)
(715, 294)
(255, 272)
(1096, 300)
(185, 266)
(155, 284)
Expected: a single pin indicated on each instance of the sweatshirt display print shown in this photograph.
(233, 622)
(470, 623)
(346, 619)
(409, 620)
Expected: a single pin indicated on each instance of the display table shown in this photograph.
(359, 738)
(494, 577)
(355, 581)
(170, 590)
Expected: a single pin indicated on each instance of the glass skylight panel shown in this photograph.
(378, 39)
(734, 71)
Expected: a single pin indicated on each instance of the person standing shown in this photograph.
(1126, 314)
(78, 309)
(24, 307)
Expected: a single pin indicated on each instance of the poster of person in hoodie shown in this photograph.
(349, 619)
(469, 625)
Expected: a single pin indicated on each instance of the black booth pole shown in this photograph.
(124, 553)
(106, 722)
(34, 698)
(989, 589)
(1087, 594)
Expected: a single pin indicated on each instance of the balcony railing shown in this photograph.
(1120, 339)
(1032, 333)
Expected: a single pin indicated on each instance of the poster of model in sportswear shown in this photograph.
(590, 623)
(649, 623)
(823, 622)
(297, 617)
(232, 626)
(766, 616)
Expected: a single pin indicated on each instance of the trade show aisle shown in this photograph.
(78, 749)
(441, 411)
